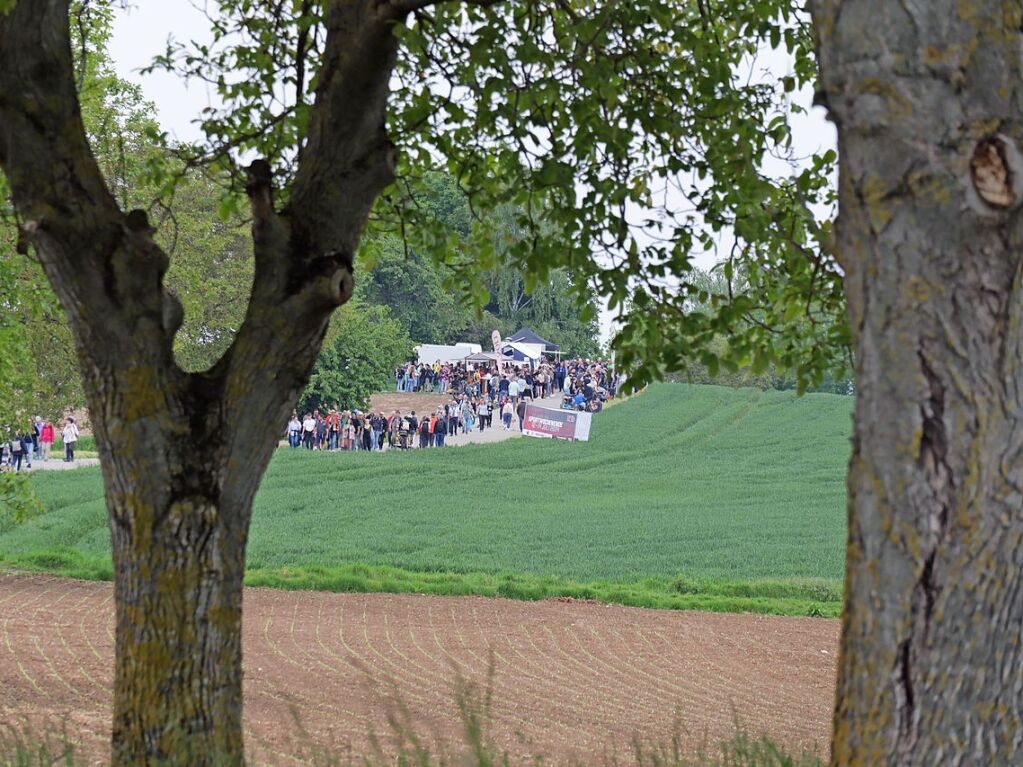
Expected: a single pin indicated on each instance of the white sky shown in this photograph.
(142, 30)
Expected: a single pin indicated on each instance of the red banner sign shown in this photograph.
(560, 424)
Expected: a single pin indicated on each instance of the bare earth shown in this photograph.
(573, 681)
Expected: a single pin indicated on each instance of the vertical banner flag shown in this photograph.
(496, 338)
(559, 424)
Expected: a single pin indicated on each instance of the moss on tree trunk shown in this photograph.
(927, 101)
(177, 687)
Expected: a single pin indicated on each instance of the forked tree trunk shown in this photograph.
(182, 454)
(928, 101)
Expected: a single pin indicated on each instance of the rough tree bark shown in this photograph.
(927, 100)
(182, 454)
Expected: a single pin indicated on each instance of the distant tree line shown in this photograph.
(715, 362)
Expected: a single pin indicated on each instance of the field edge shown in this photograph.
(811, 597)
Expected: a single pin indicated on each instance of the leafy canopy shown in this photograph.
(630, 138)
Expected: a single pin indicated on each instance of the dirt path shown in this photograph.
(387, 403)
(58, 464)
(573, 681)
(425, 403)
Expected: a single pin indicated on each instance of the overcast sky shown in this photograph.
(141, 32)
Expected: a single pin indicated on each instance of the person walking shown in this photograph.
(308, 431)
(46, 439)
(37, 445)
(379, 425)
(520, 411)
(28, 444)
(321, 431)
(506, 414)
(17, 448)
(348, 432)
(394, 428)
(367, 433)
(357, 425)
(440, 429)
(413, 428)
(424, 432)
(333, 429)
(69, 435)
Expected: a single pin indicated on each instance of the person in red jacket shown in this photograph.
(46, 439)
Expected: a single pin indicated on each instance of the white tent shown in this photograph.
(516, 352)
(431, 353)
(483, 358)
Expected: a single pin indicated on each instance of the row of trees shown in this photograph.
(714, 362)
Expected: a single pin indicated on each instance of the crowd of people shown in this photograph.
(542, 382)
(35, 442)
(481, 398)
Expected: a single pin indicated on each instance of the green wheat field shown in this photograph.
(685, 497)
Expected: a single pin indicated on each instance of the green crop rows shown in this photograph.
(687, 496)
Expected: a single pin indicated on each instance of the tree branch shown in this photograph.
(348, 159)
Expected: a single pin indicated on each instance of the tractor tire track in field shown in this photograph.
(574, 681)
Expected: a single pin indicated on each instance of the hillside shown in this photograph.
(686, 496)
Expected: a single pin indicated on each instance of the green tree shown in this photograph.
(16, 364)
(552, 309)
(626, 139)
(359, 354)
(412, 286)
(571, 114)
(423, 292)
(712, 362)
(211, 260)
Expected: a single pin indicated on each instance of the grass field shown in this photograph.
(686, 496)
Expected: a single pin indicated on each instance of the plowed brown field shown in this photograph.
(573, 681)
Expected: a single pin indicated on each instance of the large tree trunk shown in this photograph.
(178, 593)
(182, 454)
(927, 100)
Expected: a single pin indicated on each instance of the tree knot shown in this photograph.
(995, 173)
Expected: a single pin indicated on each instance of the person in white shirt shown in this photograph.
(70, 437)
(294, 431)
(506, 414)
(308, 430)
(513, 389)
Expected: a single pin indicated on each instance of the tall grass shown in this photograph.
(26, 749)
(406, 743)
